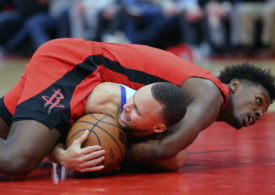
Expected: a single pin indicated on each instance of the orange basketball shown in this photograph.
(104, 131)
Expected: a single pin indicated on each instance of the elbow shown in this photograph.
(175, 165)
(174, 162)
(179, 160)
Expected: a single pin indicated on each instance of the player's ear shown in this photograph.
(159, 128)
(234, 85)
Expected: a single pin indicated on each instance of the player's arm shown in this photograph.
(172, 163)
(27, 144)
(203, 109)
(80, 159)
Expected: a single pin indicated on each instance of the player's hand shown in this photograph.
(88, 159)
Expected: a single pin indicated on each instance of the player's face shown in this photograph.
(250, 102)
(142, 114)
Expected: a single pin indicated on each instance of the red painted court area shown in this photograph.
(221, 161)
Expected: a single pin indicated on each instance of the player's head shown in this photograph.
(252, 91)
(153, 108)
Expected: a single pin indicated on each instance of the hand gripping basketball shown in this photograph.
(104, 131)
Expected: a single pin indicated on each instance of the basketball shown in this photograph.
(104, 131)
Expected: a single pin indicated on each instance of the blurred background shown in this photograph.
(210, 33)
(208, 28)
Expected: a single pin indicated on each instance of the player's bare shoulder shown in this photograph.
(202, 89)
(105, 98)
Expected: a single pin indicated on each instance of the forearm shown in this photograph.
(144, 151)
(183, 134)
(156, 158)
(157, 150)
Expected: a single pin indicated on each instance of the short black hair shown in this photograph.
(173, 100)
(251, 73)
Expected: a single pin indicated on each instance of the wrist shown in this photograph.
(58, 154)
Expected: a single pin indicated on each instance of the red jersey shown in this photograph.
(63, 72)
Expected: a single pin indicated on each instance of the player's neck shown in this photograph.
(226, 113)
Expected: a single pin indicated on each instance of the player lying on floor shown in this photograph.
(246, 97)
(148, 111)
(62, 73)
(144, 112)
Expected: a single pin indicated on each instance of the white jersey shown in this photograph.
(126, 93)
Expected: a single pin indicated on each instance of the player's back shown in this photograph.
(152, 61)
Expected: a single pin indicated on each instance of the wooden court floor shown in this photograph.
(220, 161)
